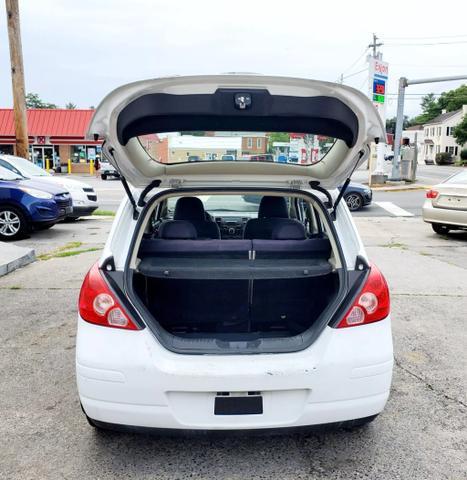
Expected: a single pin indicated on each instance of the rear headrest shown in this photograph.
(273, 207)
(189, 208)
(177, 229)
(292, 230)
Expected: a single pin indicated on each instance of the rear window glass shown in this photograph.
(459, 178)
(200, 146)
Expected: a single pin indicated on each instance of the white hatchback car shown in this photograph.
(211, 310)
(82, 194)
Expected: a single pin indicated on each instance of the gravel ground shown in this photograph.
(420, 435)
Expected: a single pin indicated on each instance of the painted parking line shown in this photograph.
(394, 209)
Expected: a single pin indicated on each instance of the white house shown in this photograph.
(438, 134)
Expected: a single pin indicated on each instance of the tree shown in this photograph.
(391, 124)
(34, 101)
(276, 137)
(460, 132)
(70, 106)
(454, 99)
(430, 109)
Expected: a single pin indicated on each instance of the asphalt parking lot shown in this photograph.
(420, 435)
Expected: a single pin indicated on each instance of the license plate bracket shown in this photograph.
(238, 405)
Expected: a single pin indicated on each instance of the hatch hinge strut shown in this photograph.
(125, 186)
(345, 185)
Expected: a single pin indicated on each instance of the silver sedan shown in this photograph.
(445, 206)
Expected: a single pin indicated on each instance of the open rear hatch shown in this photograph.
(254, 294)
(235, 102)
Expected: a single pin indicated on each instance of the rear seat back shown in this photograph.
(289, 241)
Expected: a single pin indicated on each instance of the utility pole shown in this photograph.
(374, 45)
(17, 79)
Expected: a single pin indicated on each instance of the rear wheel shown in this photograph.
(439, 228)
(354, 201)
(13, 224)
(104, 176)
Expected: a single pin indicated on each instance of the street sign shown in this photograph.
(378, 75)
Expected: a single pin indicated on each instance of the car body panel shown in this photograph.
(140, 169)
(131, 379)
(38, 211)
(450, 205)
(83, 195)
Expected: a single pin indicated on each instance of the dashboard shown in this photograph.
(231, 227)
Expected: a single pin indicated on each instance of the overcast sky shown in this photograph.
(80, 50)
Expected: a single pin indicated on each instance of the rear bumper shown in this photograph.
(444, 216)
(83, 211)
(127, 378)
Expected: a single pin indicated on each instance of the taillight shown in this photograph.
(432, 194)
(97, 303)
(372, 303)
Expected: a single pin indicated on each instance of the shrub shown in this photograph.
(444, 158)
(464, 156)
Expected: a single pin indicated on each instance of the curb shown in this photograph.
(20, 258)
(402, 188)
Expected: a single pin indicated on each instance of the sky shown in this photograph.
(78, 51)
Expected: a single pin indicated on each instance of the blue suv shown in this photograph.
(26, 205)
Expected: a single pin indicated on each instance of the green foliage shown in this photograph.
(391, 124)
(464, 155)
(460, 131)
(277, 137)
(449, 101)
(444, 158)
(34, 101)
(70, 106)
(454, 99)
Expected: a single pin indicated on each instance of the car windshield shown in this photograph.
(27, 168)
(458, 178)
(203, 146)
(223, 203)
(9, 175)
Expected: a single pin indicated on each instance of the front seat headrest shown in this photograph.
(273, 207)
(177, 230)
(288, 230)
(189, 208)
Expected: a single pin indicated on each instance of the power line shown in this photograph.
(423, 44)
(356, 61)
(427, 38)
(353, 74)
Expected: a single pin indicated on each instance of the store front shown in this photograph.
(57, 139)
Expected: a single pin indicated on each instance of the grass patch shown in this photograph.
(14, 287)
(70, 249)
(72, 253)
(394, 245)
(104, 213)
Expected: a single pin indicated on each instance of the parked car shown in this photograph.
(194, 158)
(83, 195)
(281, 322)
(357, 196)
(228, 157)
(445, 206)
(26, 205)
(108, 170)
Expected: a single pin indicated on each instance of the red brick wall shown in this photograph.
(161, 151)
(254, 148)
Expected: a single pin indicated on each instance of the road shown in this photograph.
(421, 435)
(110, 192)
